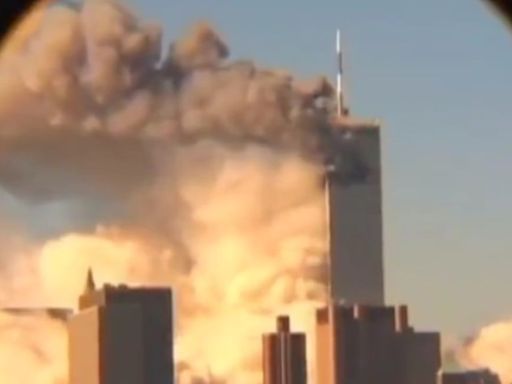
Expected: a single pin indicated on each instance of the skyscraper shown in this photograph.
(354, 209)
(121, 335)
(284, 355)
(354, 203)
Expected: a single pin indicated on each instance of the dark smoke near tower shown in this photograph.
(91, 86)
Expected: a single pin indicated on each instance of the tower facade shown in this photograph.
(284, 355)
(354, 209)
(122, 335)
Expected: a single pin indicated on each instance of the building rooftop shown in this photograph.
(350, 122)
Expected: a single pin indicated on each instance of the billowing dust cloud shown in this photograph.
(490, 348)
(32, 349)
(209, 170)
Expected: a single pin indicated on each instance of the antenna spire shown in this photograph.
(90, 285)
(340, 108)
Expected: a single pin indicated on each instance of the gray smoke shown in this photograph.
(91, 86)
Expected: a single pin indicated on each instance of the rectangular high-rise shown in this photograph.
(122, 335)
(284, 355)
(354, 209)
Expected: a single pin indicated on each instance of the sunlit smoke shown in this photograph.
(491, 348)
(32, 349)
(212, 167)
(240, 259)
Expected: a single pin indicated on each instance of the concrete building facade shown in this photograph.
(121, 335)
(284, 355)
(373, 344)
(354, 208)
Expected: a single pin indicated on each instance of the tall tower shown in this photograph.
(354, 206)
(284, 355)
(121, 335)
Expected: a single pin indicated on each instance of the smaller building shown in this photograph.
(364, 344)
(484, 376)
(284, 355)
(121, 335)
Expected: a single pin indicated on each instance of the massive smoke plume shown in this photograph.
(97, 74)
(208, 169)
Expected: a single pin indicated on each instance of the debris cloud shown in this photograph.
(213, 167)
(491, 348)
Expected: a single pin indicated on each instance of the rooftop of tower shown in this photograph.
(347, 121)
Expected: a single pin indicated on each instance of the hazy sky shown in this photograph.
(438, 74)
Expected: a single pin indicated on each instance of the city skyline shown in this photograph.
(445, 211)
(124, 333)
(440, 224)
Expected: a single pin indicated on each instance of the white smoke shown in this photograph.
(491, 348)
(32, 349)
